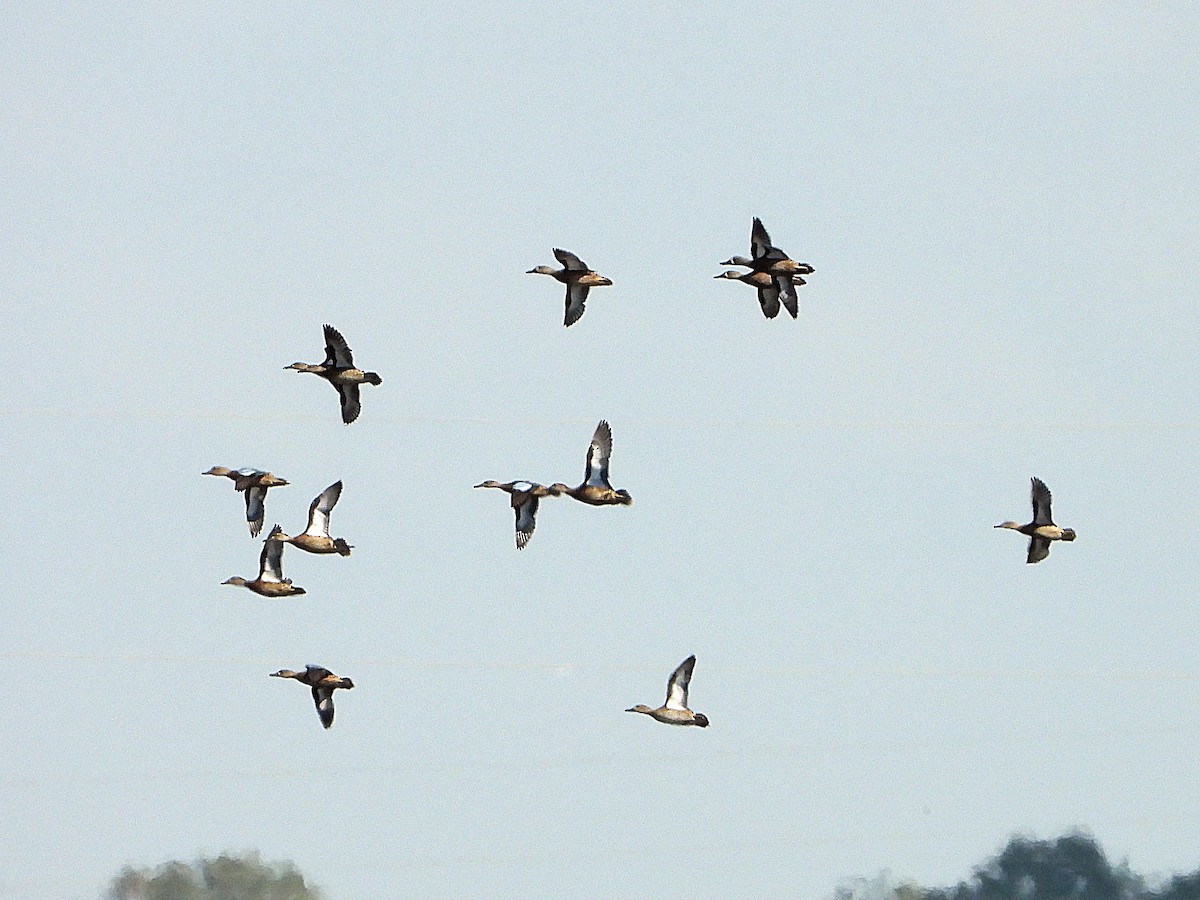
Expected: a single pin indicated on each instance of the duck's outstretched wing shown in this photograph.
(570, 261)
(319, 509)
(525, 507)
(786, 287)
(677, 684)
(1040, 495)
(323, 700)
(270, 562)
(576, 298)
(255, 508)
(768, 299)
(595, 472)
(337, 351)
(1039, 549)
(760, 241)
(351, 402)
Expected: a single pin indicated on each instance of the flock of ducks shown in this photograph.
(774, 275)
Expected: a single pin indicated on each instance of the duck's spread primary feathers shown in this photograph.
(339, 370)
(578, 278)
(323, 684)
(270, 581)
(675, 710)
(315, 538)
(1041, 530)
(596, 489)
(525, 496)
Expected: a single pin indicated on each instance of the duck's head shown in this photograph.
(1015, 526)
(488, 484)
(641, 707)
(730, 274)
(542, 270)
(237, 580)
(1068, 534)
(558, 489)
(700, 719)
(305, 367)
(738, 261)
(285, 673)
(277, 534)
(218, 470)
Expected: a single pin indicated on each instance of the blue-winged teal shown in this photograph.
(525, 497)
(1042, 529)
(596, 489)
(576, 275)
(675, 711)
(338, 369)
(254, 482)
(270, 581)
(323, 684)
(315, 538)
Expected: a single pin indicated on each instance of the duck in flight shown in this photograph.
(525, 496)
(315, 538)
(323, 684)
(254, 482)
(675, 710)
(1042, 529)
(766, 257)
(270, 581)
(596, 489)
(578, 278)
(339, 370)
(769, 296)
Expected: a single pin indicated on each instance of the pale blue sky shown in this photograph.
(1000, 203)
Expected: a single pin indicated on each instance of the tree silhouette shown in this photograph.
(1069, 868)
(244, 877)
(1072, 867)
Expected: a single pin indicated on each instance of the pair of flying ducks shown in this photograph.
(596, 490)
(773, 273)
(314, 539)
(673, 712)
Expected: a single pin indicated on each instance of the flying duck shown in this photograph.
(675, 710)
(254, 482)
(323, 684)
(525, 496)
(270, 581)
(338, 369)
(596, 489)
(576, 275)
(315, 538)
(770, 259)
(1042, 529)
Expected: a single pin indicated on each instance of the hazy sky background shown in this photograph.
(1000, 202)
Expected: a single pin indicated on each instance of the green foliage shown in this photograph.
(1072, 867)
(244, 877)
